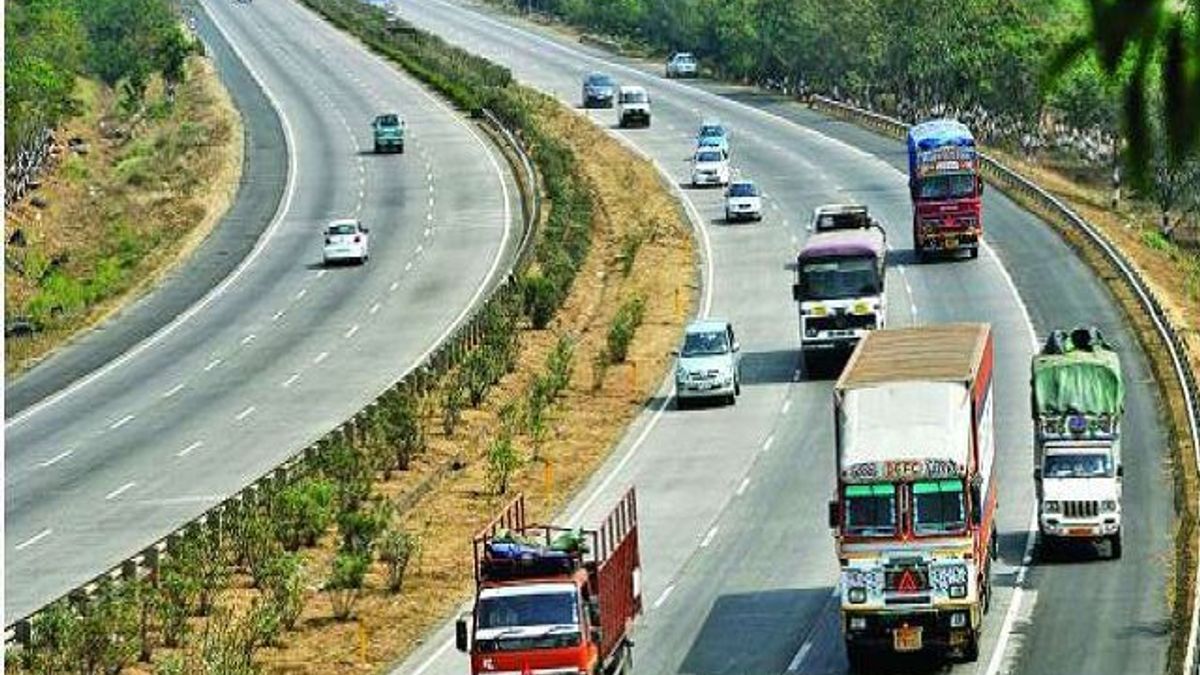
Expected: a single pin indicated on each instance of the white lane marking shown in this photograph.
(799, 657)
(220, 289)
(184, 452)
(55, 459)
(121, 422)
(420, 249)
(288, 382)
(173, 390)
(248, 339)
(396, 284)
(766, 446)
(302, 293)
(374, 308)
(245, 413)
(321, 357)
(119, 491)
(428, 230)
(708, 537)
(429, 217)
(212, 364)
(742, 488)
(663, 596)
(33, 540)
(277, 316)
(787, 405)
(350, 333)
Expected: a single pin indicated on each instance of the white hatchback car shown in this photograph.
(710, 363)
(743, 201)
(710, 166)
(346, 240)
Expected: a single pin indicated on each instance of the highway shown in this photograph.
(283, 349)
(738, 562)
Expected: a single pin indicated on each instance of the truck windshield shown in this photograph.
(870, 510)
(528, 609)
(948, 186)
(839, 278)
(388, 121)
(711, 343)
(633, 97)
(938, 507)
(1074, 465)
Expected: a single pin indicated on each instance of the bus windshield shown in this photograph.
(840, 278)
(938, 507)
(870, 510)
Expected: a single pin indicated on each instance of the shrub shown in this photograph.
(302, 512)
(263, 626)
(541, 299)
(345, 583)
(55, 639)
(476, 375)
(257, 544)
(538, 399)
(396, 549)
(452, 403)
(631, 242)
(179, 590)
(349, 471)
(624, 324)
(401, 425)
(360, 528)
(560, 366)
(109, 629)
(283, 583)
(503, 460)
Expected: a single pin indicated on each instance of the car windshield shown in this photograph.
(600, 81)
(710, 156)
(342, 228)
(743, 190)
(840, 278)
(552, 608)
(849, 220)
(948, 186)
(711, 130)
(938, 507)
(709, 343)
(870, 510)
(633, 97)
(388, 120)
(1074, 465)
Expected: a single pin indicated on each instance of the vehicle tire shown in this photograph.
(859, 658)
(621, 123)
(682, 403)
(731, 399)
(970, 651)
(737, 386)
(400, 149)
(987, 589)
(1114, 547)
(647, 121)
(974, 252)
(728, 218)
(377, 149)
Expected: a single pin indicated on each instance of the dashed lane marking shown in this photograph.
(119, 491)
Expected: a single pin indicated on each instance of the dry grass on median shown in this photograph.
(121, 216)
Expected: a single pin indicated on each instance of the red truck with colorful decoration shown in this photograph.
(946, 188)
(551, 599)
(914, 511)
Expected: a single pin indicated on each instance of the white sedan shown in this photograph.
(710, 166)
(743, 201)
(346, 240)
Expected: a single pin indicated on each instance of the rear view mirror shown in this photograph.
(1120, 471)
(1037, 473)
(833, 514)
(460, 634)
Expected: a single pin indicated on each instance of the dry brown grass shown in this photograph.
(584, 425)
(121, 216)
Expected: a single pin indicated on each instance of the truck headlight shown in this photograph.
(1051, 507)
(1108, 506)
(858, 623)
(857, 595)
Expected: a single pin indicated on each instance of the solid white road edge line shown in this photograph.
(217, 291)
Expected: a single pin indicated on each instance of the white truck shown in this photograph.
(633, 106)
(839, 286)
(1078, 398)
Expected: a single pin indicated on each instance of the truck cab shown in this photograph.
(946, 188)
(551, 599)
(1078, 401)
(633, 106)
(388, 130)
(839, 285)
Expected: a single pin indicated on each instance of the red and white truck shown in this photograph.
(914, 513)
(551, 599)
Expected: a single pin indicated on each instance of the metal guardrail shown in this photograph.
(1170, 335)
(418, 379)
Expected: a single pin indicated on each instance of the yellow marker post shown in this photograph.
(548, 478)
(362, 643)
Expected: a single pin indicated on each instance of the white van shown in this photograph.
(633, 106)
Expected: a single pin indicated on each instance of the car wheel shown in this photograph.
(974, 252)
(400, 149)
(377, 148)
(728, 217)
(731, 399)
(1114, 547)
(681, 403)
(737, 386)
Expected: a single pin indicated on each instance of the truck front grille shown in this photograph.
(1081, 509)
(840, 322)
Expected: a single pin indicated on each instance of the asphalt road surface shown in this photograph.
(738, 563)
(283, 349)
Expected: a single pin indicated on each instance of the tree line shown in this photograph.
(50, 43)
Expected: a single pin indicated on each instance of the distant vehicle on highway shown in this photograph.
(599, 91)
(710, 166)
(633, 106)
(946, 188)
(389, 132)
(682, 64)
(710, 363)
(346, 240)
(743, 201)
(713, 134)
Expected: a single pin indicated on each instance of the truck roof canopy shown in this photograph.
(938, 353)
(938, 134)
(1077, 373)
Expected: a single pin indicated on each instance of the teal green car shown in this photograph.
(389, 133)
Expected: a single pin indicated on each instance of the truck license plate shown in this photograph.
(951, 242)
(907, 639)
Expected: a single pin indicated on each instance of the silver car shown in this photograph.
(710, 363)
(682, 64)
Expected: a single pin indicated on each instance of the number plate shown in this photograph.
(907, 639)
(951, 242)
(1080, 531)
